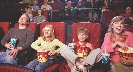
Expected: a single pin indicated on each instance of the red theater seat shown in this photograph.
(108, 16)
(29, 54)
(46, 14)
(5, 26)
(129, 27)
(95, 32)
(94, 29)
(60, 33)
(31, 25)
(13, 68)
(59, 28)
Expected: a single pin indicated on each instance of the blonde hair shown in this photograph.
(30, 11)
(110, 29)
(85, 31)
(52, 37)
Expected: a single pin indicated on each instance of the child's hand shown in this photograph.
(51, 53)
(89, 46)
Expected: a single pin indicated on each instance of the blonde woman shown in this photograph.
(118, 38)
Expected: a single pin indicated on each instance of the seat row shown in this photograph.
(95, 30)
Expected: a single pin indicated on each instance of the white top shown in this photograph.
(48, 7)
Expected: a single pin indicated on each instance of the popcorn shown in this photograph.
(130, 50)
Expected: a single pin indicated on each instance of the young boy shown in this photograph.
(84, 55)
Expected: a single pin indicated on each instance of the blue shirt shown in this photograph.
(35, 8)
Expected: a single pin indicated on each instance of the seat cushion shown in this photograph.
(52, 68)
(13, 68)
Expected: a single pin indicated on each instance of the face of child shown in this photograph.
(82, 37)
(23, 19)
(117, 27)
(47, 31)
(39, 12)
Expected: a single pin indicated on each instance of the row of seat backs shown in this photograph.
(60, 30)
(59, 27)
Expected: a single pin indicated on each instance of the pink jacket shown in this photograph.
(114, 53)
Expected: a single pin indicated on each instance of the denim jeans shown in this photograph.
(5, 58)
(39, 66)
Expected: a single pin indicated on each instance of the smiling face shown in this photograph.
(117, 27)
(82, 37)
(82, 34)
(47, 32)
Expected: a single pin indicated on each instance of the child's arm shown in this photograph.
(58, 43)
(35, 45)
(89, 45)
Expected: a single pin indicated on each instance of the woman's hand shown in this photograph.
(123, 46)
(127, 60)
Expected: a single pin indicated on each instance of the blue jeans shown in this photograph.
(39, 66)
(5, 58)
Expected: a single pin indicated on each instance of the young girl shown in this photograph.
(46, 42)
(118, 38)
(40, 17)
(85, 55)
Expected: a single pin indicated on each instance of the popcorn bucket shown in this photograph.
(42, 56)
(13, 42)
(128, 53)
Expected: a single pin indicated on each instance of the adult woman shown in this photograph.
(46, 6)
(118, 38)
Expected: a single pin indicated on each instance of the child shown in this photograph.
(40, 17)
(46, 42)
(85, 55)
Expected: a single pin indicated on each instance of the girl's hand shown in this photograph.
(89, 46)
(42, 49)
(51, 53)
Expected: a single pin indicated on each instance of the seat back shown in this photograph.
(31, 25)
(46, 14)
(5, 26)
(59, 29)
(94, 29)
(57, 5)
(108, 16)
(129, 27)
